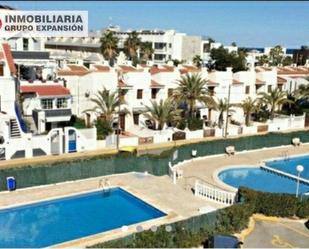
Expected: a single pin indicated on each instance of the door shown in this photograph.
(122, 121)
(72, 141)
(55, 142)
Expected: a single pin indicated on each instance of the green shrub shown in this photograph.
(303, 209)
(274, 204)
(76, 122)
(234, 218)
(103, 128)
(195, 124)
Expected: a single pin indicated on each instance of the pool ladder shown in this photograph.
(104, 184)
(286, 156)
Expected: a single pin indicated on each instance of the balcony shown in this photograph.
(55, 115)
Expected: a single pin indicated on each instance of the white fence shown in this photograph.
(214, 194)
(286, 123)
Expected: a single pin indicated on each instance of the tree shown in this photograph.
(162, 113)
(177, 62)
(222, 106)
(107, 104)
(301, 56)
(234, 44)
(287, 61)
(197, 60)
(109, 44)
(207, 45)
(223, 59)
(146, 50)
(190, 89)
(249, 106)
(276, 55)
(263, 60)
(274, 100)
(132, 44)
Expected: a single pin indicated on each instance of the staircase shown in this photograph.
(14, 129)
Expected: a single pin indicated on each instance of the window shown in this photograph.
(211, 90)
(247, 89)
(139, 94)
(62, 103)
(122, 94)
(159, 57)
(1, 70)
(154, 92)
(47, 104)
(25, 44)
(170, 45)
(170, 92)
(280, 87)
(136, 118)
(269, 88)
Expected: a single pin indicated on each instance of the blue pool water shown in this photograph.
(52, 222)
(261, 180)
(289, 165)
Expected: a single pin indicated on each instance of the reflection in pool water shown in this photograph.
(261, 180)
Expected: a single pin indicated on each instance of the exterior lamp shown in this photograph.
(299, 169)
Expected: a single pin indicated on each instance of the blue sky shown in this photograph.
(246, 23)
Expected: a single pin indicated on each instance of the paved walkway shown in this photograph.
(204, 169)
(278, 234)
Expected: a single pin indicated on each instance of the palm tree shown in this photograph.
(191, 89)
(132, 44)
(147, 50)
(222, 106)
(107, 104)
(274, 100)
(109, 44)
(162, 113)
(249, 106)
(197, 60)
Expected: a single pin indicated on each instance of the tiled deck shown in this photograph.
(157, 191)
(206, 169)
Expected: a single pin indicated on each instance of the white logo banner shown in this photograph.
(15, 23)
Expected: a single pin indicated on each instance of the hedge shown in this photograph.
(34, 175)
(194, 231)
(274, 204)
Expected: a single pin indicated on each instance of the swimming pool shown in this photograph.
(289, 165)
(52, 222)
(261, 180)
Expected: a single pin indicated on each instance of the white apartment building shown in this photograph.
(167, 45)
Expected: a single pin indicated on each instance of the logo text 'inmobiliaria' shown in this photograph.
(43, 23)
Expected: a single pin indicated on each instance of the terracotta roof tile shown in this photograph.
(9, 57)
(77, 68)
(155, 70)
(259, 82)
(122, 84)
(101, 68)
(46, 90)
(237, 82)
(73, 70)
(127, 69)
(281, 80)
(155, 84)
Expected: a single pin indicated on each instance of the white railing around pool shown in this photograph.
(214, 194)
(282, 173)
